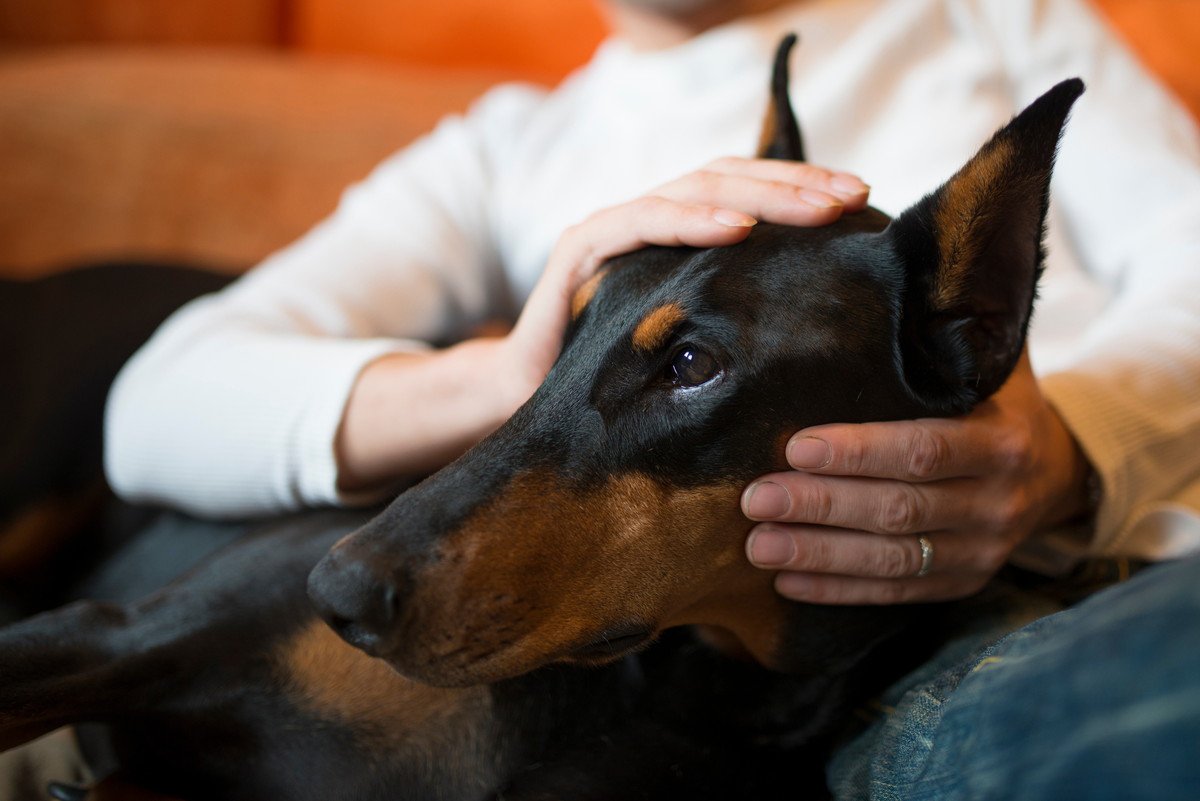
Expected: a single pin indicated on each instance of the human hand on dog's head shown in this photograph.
(844, 526)
(714, 206)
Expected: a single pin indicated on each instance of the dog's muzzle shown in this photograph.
(359, 597)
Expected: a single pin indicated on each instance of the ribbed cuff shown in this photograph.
(314, 438)
(1107, 431)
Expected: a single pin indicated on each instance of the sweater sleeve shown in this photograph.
(1128, 186)
(232, 407)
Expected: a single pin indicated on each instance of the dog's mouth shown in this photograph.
(465, 667)
(612, 643)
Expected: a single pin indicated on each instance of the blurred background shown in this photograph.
(214, 131)
(210, 133)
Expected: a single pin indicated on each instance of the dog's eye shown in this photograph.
(691, 367)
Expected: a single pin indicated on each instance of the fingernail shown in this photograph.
(734, 219)
(820, 200)
(767, 500)
(770, 548)
(793, 585)
(849, 184)
(808, 453)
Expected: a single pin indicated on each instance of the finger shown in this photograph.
(845, 553)
(650, 220)
(909, 450)
(852, 190)
(840, 590)
(879, 506)
(812, 549)
(617, 230)
(771, 200)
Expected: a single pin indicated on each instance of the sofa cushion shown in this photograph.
(185, 155)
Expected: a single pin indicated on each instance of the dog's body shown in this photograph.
(226, 685)
(513, 590)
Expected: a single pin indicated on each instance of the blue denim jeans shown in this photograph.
(1097, 701)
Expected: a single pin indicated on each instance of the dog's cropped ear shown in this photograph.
(780, 138)
(972, 255)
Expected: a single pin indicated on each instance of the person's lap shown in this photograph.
(1101, 700)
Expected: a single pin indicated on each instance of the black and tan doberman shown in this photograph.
(488, 634)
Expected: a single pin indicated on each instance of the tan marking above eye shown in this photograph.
(656, 326)
(583, 296)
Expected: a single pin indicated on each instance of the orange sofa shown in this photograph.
(215, 131)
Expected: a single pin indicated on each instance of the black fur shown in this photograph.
(808, 326)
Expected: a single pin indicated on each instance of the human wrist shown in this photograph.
(408, 414)
(492, 377)
(1075, 495)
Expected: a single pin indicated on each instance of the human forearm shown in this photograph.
(410, 413)
(219, 419)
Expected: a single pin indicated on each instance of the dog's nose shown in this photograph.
(357, 596)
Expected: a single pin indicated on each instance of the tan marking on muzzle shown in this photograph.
(656, 326)
(337, 682)
(545, 567)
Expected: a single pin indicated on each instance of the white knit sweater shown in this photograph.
(232, 407)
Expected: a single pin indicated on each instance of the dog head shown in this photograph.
(607, 508)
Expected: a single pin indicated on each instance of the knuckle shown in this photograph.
(816, 503)
(892, 592)
(815, 554)
(928, 451)
(706, 182)
(895, 561)
(1015, 450)
(854, 456)
(1009, 513)
(590, 260)
(901, 512)
(573, 233)
(724, 163)
(811, 175)
(793, 190)
(651, 205)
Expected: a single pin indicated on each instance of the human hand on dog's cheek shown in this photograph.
(711, 207)
(844, 525)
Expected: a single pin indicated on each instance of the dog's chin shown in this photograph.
(488, 668)
(450, 676)
(510, 663)
(609, 648)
